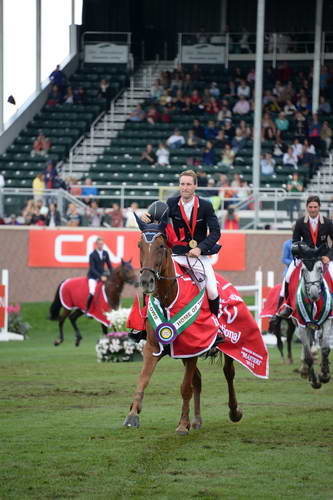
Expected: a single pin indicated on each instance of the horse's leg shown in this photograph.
(196, 382)
(306, 339)
(149, 364)
(290, 334)
(324, 374)
(280, 343)
(235, 413)
(73, 318)
(186, 390)
(104, 329)
(62, 318)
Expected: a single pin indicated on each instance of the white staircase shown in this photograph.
(107, 125)
(322, 185)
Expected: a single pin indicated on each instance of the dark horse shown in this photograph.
(158, 278)
(114, 285)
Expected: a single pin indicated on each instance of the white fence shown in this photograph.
(257, 289)
(4, 333)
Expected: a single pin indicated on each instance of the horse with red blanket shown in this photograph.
(71, 297)
(177, 319)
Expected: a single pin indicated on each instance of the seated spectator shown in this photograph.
(211, 131)
(179, 101)
(117, 217)
(279, 148)
(243, 90)
(69, 96)
(88, 190)
(273, 106)
(268, 97)
(166, 98)
(287, 94)
(208, 156)
(58, 77)
(294, 186)
(50, 174)
(165, 114)
(2, 181)
(152, 115)
(202, 178)
(324, 106)
(267, 164)
(54, 96)
(214, 90)
(176, 83)
(225, 192)
(162, 155)
(308, 157)
(300, 125)
(38, 186)
(282, 125)
(41, 146)
(12, 221)
(290, 158)
(242, 106)
(72, 216)
(53, 217)
(213, 106)
(236, 183)
(245, 129)
(289, 108)
(229, 130)
(104, 92)
(251, 76)
(314, 133)
(148, 156)
(176, 140)
(74, 186)
(199, 131)
(223, 114)
(196, 100)
(238, 142)
(232, 89)
(192, 141)
(130, 219)
(231, 220)
(220, 140)
(38, 219)
(277, 90)
(326, 135)
(228, 157)
(80, 96)
(303, 106)
(205, 99)
(138, 115)
(28, 211)
(157, 90)
(268, 128)
(94, 215)
(297, 147)
(188, 84)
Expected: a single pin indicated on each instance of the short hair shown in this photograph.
(99, 239)
(313, 198)
(189, 173)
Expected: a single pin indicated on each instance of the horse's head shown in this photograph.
(127, 273)
(312, 275)
(153, 253)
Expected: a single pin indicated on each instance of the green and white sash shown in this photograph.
(314, 313)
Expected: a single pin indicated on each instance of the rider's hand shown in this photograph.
(103, 278)
(325, 259)
(194, 252)
(145, 217)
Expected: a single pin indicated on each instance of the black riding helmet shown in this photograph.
(158, 211)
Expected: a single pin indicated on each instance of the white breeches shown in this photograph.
(92, 285)
(201, 266)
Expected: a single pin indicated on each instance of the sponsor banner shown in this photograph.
(2, 306)
(65, 248)
(203, 53)
(105, 52)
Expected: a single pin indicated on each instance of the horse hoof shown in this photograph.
(132, 421)
(57, 342)
(182, 430)
(315, 383)
(324, 378)
(235, 415)
(77, 341)
(196, 424)
(304, 372)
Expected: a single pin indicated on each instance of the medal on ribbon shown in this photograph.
(167, 330)
(192, 243)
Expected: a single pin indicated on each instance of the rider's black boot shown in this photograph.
(214, 305)
(89, 301)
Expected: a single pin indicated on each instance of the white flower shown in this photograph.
(129, 347)
(118, 318)
(140, 345)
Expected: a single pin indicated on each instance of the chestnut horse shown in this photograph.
(157, 277)
(124, 273)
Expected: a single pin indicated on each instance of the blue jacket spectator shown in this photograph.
(286, 254)
(88, 189)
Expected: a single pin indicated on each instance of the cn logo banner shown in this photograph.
(2, 306)
(50, 248)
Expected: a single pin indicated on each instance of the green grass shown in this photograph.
(61, 433)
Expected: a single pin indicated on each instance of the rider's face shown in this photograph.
(99, 244)
(187, 187)
(313, 209)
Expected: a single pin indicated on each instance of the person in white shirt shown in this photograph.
(176, 140)
(242, 107)
(162, 154)
(290, 158)
(243, 89)
(2, 181)
(297, 148)
(267, 164)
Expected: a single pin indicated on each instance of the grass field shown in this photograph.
(62, 436)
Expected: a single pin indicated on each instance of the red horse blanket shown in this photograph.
(74, 293)
(271, 303)
(243, 340)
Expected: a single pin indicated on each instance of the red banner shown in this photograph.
(68, 248)
(2, 306)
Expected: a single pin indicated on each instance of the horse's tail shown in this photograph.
(55, 306)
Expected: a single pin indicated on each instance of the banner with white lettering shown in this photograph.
(203, 53)
(105, 52)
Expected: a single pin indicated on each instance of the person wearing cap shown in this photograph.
(99, 264)
(191, 219)
(313, 230)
